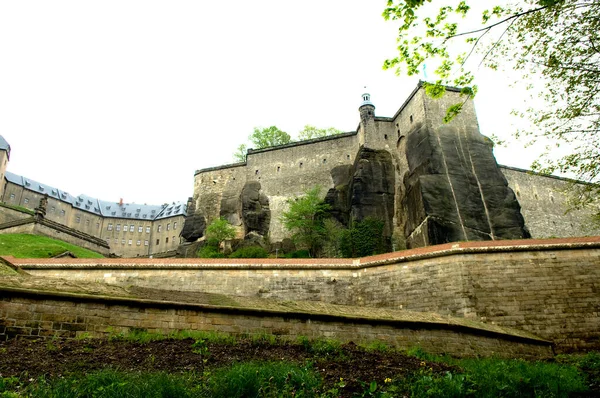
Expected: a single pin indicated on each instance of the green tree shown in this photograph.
(310, 132)
(304, 218)
(555, 41)
(262, 138)
(218, 231)
(240, 153)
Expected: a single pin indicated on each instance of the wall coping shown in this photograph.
(447, 249)
(498, 332)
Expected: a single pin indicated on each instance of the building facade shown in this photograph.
(129, 229)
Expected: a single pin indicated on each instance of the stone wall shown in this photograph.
(544, 205)
(30, 313)
(284, 172)
(549, 288)
(7, 214)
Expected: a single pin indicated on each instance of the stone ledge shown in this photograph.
(448, 249)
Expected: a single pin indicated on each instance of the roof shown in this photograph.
(4, 146)
(102, 207)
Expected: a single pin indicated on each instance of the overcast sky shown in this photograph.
(126, 99)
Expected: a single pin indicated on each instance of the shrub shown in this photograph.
(210, 251)
(365, 238)
(298, 254)
(250, 252)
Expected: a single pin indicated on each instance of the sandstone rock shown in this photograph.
(455, 191)
(193, 227)
(366, 190)
(255, 209)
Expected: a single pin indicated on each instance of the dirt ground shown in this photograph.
(60, 357)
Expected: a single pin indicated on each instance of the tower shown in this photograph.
(367, 119)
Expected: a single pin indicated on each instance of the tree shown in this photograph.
(262, 138)
(310, 132)
(219, 231)
(557, 41)
(305, 217)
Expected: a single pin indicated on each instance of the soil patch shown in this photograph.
(55, 358)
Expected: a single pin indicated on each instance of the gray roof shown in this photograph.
(4, 146)
(102, 207)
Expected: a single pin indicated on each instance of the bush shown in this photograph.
(210, 251)
(298, 254)
(250, 252)
(365, 238)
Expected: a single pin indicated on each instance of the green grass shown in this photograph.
(497, 377)
(107, 384)
(34, 246)
(19, 208)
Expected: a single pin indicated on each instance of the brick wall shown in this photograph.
(25, 313)
(547, 287)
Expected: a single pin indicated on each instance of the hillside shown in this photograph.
(34, 246)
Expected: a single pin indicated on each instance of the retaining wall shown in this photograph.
(550, 288)
(29, 313)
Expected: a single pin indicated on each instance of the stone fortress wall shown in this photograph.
(434, 182)
(545, 287)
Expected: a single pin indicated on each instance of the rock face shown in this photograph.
(255, 209)
(193, 227)
(455, 191)
(364, 190)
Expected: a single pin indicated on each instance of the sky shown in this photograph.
(126, 99)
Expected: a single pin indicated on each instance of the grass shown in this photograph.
(34, 246)
(18, 208)
(566, 376)
(497, 377)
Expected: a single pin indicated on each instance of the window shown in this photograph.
(26, 200)
(87, 222)
(109, 227)
(130, 241)
(300, 164)
(123, 242)
(159, 228)
(175, 225)
(168, 226)
(157, 241)
(97, 225)
(139, 242)
(145, 243)
(132, 228)
(140, 229)
(278, 169)
(118, 227)
(62, 212)
(125, 228)
(167, 239)
(147, 230)
(107, 240)
(78, 220)
(52, 209)
(12, 196)
(173, 240)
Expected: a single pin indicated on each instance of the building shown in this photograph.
(129, 229)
